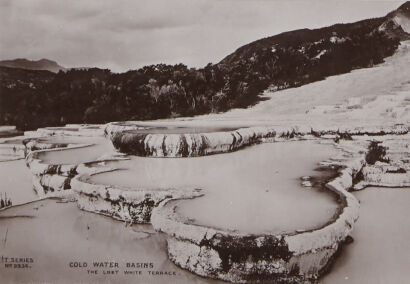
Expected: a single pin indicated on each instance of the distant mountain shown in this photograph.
(33, 98)
(42, 64)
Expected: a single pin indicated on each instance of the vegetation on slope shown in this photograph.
(31, 99)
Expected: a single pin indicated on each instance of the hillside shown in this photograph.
(43, 64)
(31, 99)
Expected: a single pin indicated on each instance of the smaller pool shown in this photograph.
(63, 128)
(122, 178)
(100, 147)
(180, 130)
(16, 182)
(14, 141)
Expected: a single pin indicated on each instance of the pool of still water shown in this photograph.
(16, 182)
(100, 146)
(253, 190)
(58, 236)
(182, 130)
(380, 251)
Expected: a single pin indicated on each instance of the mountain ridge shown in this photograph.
(392, 28)
(41, 64)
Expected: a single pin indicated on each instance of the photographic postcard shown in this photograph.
(204, 141)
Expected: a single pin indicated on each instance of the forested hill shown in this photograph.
(30, 99)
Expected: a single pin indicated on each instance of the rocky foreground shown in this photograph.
(295, 257)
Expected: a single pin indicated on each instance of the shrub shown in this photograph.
(376, 153)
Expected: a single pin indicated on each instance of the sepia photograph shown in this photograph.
(204, 141)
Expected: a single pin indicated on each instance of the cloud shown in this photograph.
(132, 23)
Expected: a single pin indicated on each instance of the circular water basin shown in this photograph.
(254, 190)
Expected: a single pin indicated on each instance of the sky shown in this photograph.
(128, 34)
